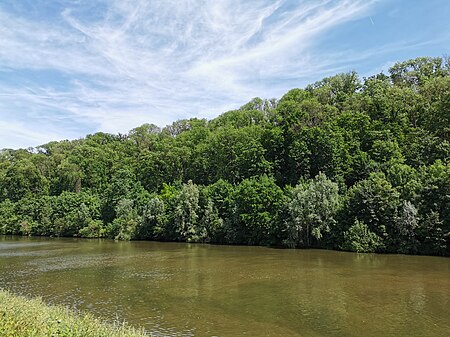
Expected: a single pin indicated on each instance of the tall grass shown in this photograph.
(23, 317)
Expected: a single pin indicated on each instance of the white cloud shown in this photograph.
(154, 61)
(23, 135)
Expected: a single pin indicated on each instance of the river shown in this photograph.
(179, 289)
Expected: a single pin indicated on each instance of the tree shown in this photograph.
(23, 179)
(154, 220)
(235, 154)
(312, 210)
(124, 225)
(406, 229)
(416, 72)
(374, 202)
(380, 148)
(336, 90)
(68, 177)
(212, 223)
(434, 208)
(219, 199)
(9, 220)
(187, 225)
(123, 185)
(71, 212)
(94, 229)
(437, 117)
(358, 238)
(257, 205)
(432, 235)
(144, 136)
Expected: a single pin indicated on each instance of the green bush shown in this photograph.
(360, 239)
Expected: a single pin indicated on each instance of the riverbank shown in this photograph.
(23, 317)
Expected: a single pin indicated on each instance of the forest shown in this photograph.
(346, 163)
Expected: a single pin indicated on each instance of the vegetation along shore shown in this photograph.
(24, 317)
(345, 163)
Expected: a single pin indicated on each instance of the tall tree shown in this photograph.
(312, 209)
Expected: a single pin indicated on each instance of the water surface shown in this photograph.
(177, 289)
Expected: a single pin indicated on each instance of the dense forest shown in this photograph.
(345, 163)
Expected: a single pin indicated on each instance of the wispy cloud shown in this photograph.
(123, 63)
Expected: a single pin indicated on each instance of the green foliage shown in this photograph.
(213, 224)
(434, 209)
(257, 205)
(154, 220)
(94, 229)
(358, 238)
(374, 202)
(23, 179)
(218, 210)
(405, 179)
(415, 73)
(127, 220)
(73, 211)
(9, 221)
(187, 209)
(434, 235)
(406, 228)
(379, 147)
(312, 210)
(235, 154)
(336, 90)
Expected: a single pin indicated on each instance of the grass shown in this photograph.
(23, 317)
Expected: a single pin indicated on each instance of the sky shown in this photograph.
(74, 67)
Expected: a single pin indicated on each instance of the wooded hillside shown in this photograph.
(345, 163)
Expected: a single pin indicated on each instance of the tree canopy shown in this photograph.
(360, 164)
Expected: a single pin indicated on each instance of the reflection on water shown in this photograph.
(176, 289)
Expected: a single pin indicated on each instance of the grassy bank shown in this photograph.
(23, 317)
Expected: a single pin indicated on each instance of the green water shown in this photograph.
(174, 289)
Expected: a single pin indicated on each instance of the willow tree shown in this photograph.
(312, 210)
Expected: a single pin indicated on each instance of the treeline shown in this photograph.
(345, 163)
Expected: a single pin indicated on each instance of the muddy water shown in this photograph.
(174, 289)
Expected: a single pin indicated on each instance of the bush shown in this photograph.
(93, 230)
(360, 239)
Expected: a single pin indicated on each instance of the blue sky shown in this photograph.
(73, 67)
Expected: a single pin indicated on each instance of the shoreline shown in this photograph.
(21, 316)
(220, 244)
